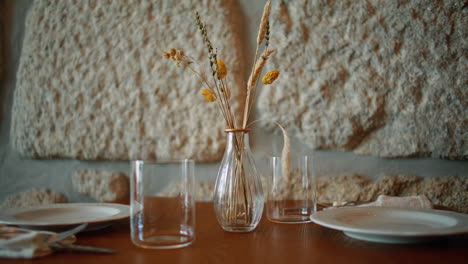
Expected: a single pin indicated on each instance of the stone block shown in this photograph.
(92, 82)
(382, 78)
(449, 192)
(103, 186)
(33, 197)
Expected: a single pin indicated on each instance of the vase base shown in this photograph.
(239, 229)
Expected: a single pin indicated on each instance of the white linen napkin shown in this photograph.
(26, 244)
(419, 201)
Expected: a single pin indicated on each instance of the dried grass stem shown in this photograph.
(251, 84)
(264, 24)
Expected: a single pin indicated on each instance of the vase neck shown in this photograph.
(240, 136)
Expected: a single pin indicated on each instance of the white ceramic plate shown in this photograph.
(392, 225)
(52, 216)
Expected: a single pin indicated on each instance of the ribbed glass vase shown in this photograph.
(238, 195)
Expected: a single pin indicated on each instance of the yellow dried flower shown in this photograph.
(270, 77)
(222, 71)
(166, 55)
(178, 56)
(209, 95)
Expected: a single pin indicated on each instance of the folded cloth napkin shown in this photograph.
(23, 243)
(419, 201)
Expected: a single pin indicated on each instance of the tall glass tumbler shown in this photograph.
(291, 191)
(162, 204)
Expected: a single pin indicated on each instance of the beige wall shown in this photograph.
(18, 174)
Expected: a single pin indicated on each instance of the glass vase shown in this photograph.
(238, 195)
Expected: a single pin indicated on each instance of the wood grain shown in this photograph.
(269, 243)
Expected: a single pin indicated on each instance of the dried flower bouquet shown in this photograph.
(215, 88)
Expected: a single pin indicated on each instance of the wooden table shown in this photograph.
(269, 243)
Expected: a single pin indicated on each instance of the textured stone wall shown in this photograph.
(33, 197)
(383, 78)
(447, 192)
(92, 83)
(103, 186)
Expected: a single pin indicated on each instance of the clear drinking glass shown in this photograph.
(291, 192)
(162, 204)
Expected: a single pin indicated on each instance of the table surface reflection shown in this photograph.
(269, 243)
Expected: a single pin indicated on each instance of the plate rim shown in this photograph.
(124, 212)
(459, 228)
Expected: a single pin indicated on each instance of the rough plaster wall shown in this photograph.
(18, 174)
(383, 78)
(92, 83)
(450, 192)
(102, 185)
(33, 197)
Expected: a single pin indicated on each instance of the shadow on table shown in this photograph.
(446, 242)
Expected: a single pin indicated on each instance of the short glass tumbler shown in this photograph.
(162, 204)
(291, 191)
